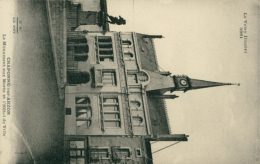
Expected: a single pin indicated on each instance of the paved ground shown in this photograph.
(57, 25)
(37, 109)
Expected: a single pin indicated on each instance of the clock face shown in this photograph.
(183, 82)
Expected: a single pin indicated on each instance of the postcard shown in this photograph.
(129, 82)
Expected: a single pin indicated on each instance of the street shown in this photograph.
(37, 109)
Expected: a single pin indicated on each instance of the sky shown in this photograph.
(202, 40)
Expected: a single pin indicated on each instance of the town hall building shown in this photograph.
(114, 94)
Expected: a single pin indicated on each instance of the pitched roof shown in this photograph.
(157, 107)
(147, 53)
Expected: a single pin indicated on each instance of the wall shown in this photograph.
(108, 143)
(134, 120)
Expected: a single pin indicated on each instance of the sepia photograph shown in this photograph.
(129, 82)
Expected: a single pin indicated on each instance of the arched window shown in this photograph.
(80, 57)
(77, 40)
(77, 77)
(135, 104)
(142, 76)
(80, 49)
(81, 52)
(137, 120)
(105, 45)
(126, 43)
(128, 55)
(104, 39)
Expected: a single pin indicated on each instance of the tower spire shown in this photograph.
(198, 84)
(162, 82)
(184, 83)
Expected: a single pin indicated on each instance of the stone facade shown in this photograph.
(123, 82)
(110, 116)
(105, 93)
(108, 149)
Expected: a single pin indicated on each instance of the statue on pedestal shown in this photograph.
(115, 20)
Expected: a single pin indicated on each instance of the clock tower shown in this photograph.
(181, 83)
(161, 83)
(184, 83)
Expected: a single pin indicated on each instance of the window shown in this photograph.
(128, 56)
(136, 77)
(104, 77)
(76, 40)
(104, 39)
(135, 104)
(85, 101)
(105, 48)
(97, 153)
(111, 113)
(77, 152)
(108, 77)
(83, 115)
(68, 111)
(80, 57)
(142, 76)
(74, 77)
(126, 43)
(78, 47)
(138, 152)
(83, 112)
(132, 78)
(137, 120)
(81, 52)
(121, 153)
